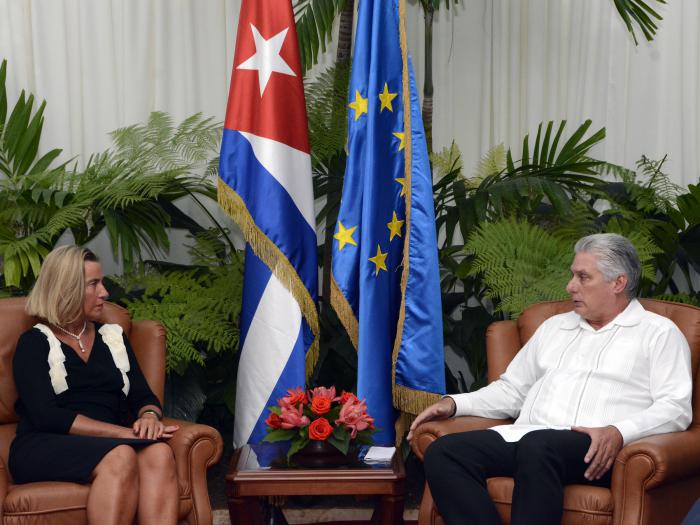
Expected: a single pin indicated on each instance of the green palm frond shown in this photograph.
(314, 21)
(129, 189)
(550, 175)
(547, 169)
(639, 13)
(608, 169)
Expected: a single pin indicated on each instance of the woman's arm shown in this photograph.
(37, 398)
(144, 403)
(85, 426)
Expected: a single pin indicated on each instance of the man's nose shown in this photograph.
(571, 286)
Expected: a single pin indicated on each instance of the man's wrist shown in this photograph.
(453, 405)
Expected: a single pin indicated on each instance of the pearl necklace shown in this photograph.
(74, 336)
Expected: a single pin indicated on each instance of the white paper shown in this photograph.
(379, 454)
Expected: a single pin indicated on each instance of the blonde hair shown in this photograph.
(59, 291)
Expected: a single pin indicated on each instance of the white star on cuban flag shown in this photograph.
(265, 185)
(267, 59)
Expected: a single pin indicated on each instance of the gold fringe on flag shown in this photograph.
(344, 311)
(409, 401)
(278, 263)
(402, 399)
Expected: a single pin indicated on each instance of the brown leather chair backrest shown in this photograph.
(508, 337)
(14, 321)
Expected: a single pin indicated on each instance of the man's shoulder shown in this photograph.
(566, 320)
(655, 321)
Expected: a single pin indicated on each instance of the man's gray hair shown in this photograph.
(615, 256)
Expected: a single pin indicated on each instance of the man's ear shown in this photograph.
(620, 283)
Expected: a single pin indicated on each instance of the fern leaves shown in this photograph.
(199, 310)
(521, 263)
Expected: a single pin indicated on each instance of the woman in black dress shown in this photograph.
(79, 386)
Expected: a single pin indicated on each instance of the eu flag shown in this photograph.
(386, 286)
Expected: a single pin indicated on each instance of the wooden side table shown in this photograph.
(251, 475)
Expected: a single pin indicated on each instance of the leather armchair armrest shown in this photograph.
(196, 447)
(429, 431)
(4, 486)
(655, 460)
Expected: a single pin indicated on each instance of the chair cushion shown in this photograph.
(46, 502)
(582, 504)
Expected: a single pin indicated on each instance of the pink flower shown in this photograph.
(353, 414)
(293, 417)
(321, 391)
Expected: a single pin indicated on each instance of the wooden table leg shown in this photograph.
(244, 511)
(389, 511)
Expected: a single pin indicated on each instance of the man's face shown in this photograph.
(595, 299)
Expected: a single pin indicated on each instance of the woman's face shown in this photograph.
(95, 291)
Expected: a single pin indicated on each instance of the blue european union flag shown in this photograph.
(386, 286)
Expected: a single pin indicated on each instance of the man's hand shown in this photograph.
(441, 410)
(606, 442)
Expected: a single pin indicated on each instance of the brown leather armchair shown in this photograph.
(655, 480)
(196, 447)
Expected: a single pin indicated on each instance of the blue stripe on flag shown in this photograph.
(283, 224)
(256, 275)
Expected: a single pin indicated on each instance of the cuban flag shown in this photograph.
(265, 186)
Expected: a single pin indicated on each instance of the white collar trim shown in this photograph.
(111, 335)
(56, 359)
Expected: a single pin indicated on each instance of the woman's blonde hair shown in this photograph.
(59, 291)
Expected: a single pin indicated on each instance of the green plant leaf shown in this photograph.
(340, 439)
(296, 446)
(280, 434)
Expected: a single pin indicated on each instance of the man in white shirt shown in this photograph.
(586, 383)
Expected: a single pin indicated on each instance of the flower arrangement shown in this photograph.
(319, 415)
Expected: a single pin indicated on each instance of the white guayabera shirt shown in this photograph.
(634, 373)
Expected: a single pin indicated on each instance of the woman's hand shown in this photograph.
(148, 426)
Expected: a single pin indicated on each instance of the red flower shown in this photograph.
(293, 397)
(320, 429)
(273, 421)
(353, 415)
(320, 405)
(347, 396)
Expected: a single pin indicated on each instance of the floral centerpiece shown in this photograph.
(303, 417)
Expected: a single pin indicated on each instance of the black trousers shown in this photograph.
(541, 463)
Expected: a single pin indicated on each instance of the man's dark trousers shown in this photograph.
(541, 463)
